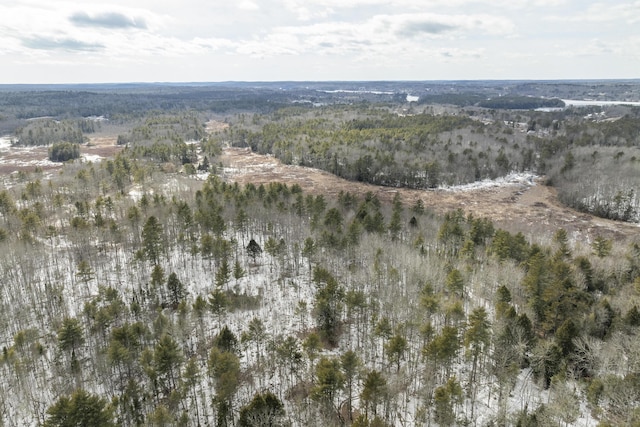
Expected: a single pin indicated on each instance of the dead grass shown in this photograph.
(516, 207)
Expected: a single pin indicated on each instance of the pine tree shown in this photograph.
(329, 381)
(253, 250)
(445, 398)
(167, 358)
(176, 290)
(328, 305)
(70, 336)
(396, 347)
(223, 274)
(265, 409)
(80, 409)
(152, 239)
(350, 363)
(374, 391)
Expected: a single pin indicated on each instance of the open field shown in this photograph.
(518, 205)
(521, 206)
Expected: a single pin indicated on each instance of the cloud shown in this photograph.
(625, 12)
(389, 36)
(429, 24)
(66, 44)
(425, 27)
(113, 20)
(248, 5)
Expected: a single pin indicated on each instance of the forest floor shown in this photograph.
(521, 205)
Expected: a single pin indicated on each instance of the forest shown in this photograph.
(149, 289)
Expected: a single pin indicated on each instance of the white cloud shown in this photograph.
(426, 24)
(361, 38)
(248, 5)
(382, 34)
(628, 12)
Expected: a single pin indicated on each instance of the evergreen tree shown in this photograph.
(80, 409)
(167, 359)
(374, 391)
(445, 398)
(396, 347)
(350, 363)
(152, 239)
(176, 290)
(264, 410)
(328, 305)
(70, 336)
(253, 250)
(328, 384)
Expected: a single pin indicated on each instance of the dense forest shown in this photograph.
(145, 289)
(439, 146)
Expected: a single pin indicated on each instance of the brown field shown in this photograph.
(527, 208)
(28, 158)
(531, 209)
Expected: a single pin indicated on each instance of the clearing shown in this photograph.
(522, 205)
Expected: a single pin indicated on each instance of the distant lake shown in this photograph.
(586, 103)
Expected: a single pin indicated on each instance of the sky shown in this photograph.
(51, 41)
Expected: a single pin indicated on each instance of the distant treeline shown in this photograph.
(509, 102)
(48, 131)
(512, 102)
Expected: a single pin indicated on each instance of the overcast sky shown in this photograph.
(51, 41)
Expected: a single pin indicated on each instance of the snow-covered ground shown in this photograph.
(520, 178)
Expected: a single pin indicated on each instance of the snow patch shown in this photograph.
(5, 143)
(521, 178)
(93, 158)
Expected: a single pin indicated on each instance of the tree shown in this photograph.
(374, 390)
(396, 347)
(152, 239)
(455, 282)
(309, 249)
(256, 333)
(601, 246)
(312, 345)
(253, 250)
(333, 220)
(350, 363)
(444, 347)
(218, 302)
(190, 378)
(226, 340)
(329, 382)
(64, 151)
(167, 359)
(476, 337)
(81, 409)
(238, 271)
(223, 274)
(224, 368)
(85, 272)
(176, 290)
(328, 305)
(395, 224)
(288, 354)
(445, 397)
(476, 340)
(264, 410)
(70, 336)
(562, 239)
